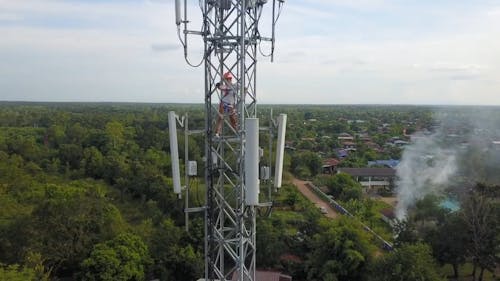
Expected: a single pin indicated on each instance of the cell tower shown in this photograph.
(231, 36)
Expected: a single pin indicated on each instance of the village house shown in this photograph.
(345, 137)
(371, 178)
(330, 166)
(349, 145)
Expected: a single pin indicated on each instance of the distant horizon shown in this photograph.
(281, 104)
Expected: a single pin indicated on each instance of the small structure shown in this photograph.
(290, 257)
(330, 166)
(373, 146)
(290, 145)
(349, 145)
(450, 205)
(364, 137)
(345, 137)
(342, 153)
(495, 144)
(400, 143)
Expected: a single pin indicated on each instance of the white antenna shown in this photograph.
(174, 151)
(178, 19)
(252, 162)
(280, 150)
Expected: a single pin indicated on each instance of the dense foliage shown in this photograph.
(85, 194)
(77, 180)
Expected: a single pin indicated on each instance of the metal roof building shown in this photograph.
(369, 172)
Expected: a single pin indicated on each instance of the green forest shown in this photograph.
(86, 194)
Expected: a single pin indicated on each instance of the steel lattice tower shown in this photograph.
(231, 37)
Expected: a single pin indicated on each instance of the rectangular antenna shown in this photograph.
(178, 19)
(280, 150)
(252, 183)
(174, 152)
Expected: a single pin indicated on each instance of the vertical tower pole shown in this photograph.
(231, 37)
(230, 30)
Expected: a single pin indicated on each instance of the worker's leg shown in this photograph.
(233, 118)
(218, 126)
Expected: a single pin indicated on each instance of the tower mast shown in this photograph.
(230, 31)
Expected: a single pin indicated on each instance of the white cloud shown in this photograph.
(438, 66)
(354, 4)
(9, 17)
(130, 51)
(96, 60)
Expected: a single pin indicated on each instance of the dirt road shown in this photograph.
(301, 186)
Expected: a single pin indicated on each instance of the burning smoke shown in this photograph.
(425, 168)
(464, 147)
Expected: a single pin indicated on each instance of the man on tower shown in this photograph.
(227, 105)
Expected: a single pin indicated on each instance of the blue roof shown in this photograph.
(391, 163)
(342, 153)
(450, 204)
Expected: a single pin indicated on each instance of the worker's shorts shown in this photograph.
(226, 108)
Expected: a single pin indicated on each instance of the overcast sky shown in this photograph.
(328, 51)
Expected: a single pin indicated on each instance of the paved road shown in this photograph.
(301, 186)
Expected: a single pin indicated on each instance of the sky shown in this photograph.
(327, 52)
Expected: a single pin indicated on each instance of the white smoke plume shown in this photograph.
(462, 151)
(425, 168)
